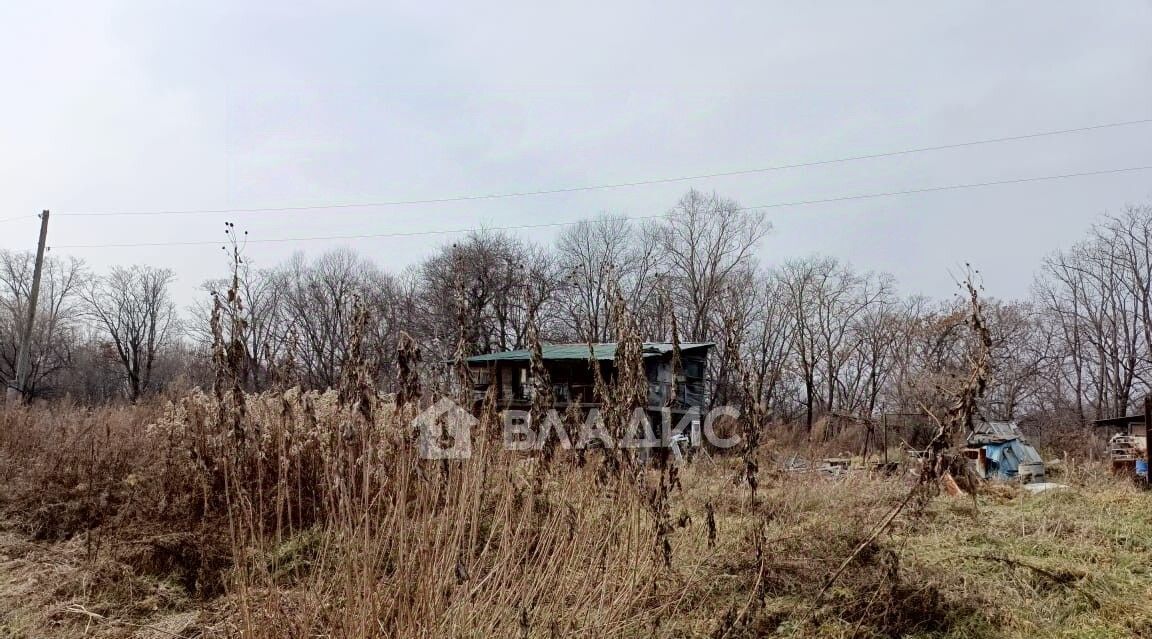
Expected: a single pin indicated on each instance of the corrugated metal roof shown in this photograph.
(996, 430)
(1120, 421)
(605, 351)
(1028, 454)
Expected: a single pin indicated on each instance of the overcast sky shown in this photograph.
(207, 105)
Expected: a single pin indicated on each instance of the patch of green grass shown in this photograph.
(1071, 563)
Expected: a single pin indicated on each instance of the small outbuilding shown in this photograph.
(998, 450)
(571, 374)
(1128, 445)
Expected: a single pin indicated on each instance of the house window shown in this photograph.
(694, 369)
(521, 388)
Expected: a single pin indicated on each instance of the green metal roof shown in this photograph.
(606, 351)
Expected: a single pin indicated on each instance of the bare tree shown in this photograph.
(316, 304)
(812, 335)
(1097, 296)
(57, 327)
(595, 256)
(877, 334)
(486, 282)
(756, 307)
(831, 311)
(704, 241)
(262, 321)
(133, 307)
(1020, 353)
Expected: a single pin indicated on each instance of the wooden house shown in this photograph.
(572, 377)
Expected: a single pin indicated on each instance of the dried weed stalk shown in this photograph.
(755, 412)
(543, 398)
(956, 419)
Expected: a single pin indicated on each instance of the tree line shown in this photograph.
(813, 335)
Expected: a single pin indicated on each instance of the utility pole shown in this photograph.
(19, 387)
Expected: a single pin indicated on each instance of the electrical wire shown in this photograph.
(618, 185)
(844, 198)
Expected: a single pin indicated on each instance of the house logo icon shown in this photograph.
(445, 431)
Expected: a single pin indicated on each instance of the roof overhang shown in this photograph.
(581, 352)
(1120, 421)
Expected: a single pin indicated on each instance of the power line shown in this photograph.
(618, 185)
(843, 198)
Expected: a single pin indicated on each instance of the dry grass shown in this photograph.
(320, 519)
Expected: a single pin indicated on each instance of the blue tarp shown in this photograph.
(995, 452)
(1006, 453)
(1004, 458)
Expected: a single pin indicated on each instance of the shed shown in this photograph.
(1128, 446)
(998, 450)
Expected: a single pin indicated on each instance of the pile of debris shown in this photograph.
(1128, 447)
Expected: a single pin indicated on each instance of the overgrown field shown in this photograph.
(290, 514)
